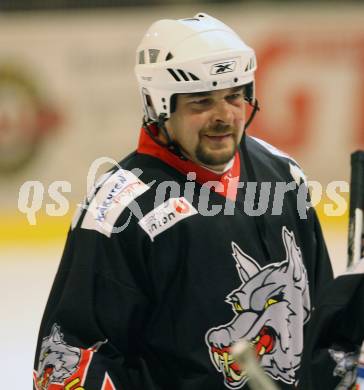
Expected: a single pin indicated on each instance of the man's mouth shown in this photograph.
(218, 137)
(263, 344)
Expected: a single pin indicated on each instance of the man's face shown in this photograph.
(208, 126)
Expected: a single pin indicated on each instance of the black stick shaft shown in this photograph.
(356, 216)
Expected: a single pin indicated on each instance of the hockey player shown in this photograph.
(176, 256)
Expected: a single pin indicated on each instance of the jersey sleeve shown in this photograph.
(334, 335)
(92, 328)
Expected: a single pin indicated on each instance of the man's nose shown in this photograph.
(222, 113)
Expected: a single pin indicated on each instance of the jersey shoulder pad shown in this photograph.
(294, 168)
(272, 149)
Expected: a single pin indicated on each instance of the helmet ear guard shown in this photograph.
(149, 111)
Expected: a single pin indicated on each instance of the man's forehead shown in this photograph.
(214, 92)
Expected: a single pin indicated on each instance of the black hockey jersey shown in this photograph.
(335, 334)
(168, 264)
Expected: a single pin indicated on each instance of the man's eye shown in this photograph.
(235, 96)
(202, 102)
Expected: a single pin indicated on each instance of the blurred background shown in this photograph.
(68, 96)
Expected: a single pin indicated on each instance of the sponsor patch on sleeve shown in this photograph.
(166, 215)
(116, 194)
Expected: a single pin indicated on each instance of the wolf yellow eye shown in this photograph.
(270, 302)
(238, 307)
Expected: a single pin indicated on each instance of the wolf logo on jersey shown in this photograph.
(60, 363)
(270, 306)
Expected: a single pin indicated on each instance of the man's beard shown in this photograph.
(214, 157)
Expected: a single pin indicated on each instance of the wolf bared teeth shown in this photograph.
(226, 361)
(217, 359)
(234, 375)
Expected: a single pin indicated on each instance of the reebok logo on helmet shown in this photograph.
(223, 67)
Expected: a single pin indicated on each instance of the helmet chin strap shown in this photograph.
(170, 144)
(256, 108)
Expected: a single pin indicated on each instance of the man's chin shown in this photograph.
(215, 157)
(214, 161)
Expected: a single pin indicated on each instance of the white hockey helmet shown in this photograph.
(190, 55)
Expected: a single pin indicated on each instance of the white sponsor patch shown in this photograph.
(81, 206)
(166, 215)
(118, 191)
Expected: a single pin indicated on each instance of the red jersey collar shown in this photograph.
(228, 179)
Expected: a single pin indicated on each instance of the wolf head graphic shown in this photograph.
(57, 360)
(271, 306)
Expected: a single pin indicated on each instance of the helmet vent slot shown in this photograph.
(183, 74)
(172, 72)
(250, 65)
(153, 55)
(169, 56)
(180, 75)
(193, 77)
(141, 57)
